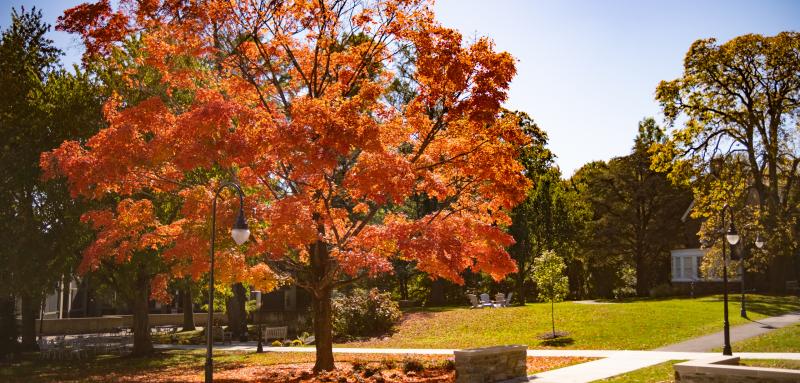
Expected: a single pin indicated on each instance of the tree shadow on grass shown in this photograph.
(558, 342)
(557, 339)
(768, 305)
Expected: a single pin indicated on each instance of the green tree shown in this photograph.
(637, 210)
(552, 284)
(741, 100)
(41, 105)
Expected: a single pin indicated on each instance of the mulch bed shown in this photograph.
(349, 368)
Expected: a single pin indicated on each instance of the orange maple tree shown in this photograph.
(335, 116)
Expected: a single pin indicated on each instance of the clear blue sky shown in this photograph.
(587, 70)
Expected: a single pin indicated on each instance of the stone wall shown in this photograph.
(726, 369)
(490, 364)
(108, 323)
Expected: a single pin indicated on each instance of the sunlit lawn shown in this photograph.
(771, 363)
(635, 325)
(785, 339)
(187, 366)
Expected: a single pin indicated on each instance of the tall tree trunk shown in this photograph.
(553, 317)
(66, 295)
(31, 303)
(436, 297)
(142, 344)
(237, 321)
(323, 329)
(641, 280)
(8, 326)
(188, 308)
(520, 287)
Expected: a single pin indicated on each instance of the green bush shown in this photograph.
(662, 291)
(297, 343)
(277, 343)
(364, 313)
(412, 365)
(627, 280)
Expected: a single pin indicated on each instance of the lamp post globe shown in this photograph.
(240, 231)
(759, 242)
(732, 235)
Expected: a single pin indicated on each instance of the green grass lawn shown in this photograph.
(771, 363)
(785, 339)
(635, 325)
(660, 373)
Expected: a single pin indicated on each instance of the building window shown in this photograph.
(684, 264)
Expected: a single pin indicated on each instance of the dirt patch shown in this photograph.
(349, 369)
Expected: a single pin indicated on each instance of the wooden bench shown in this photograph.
(792, 287)
(279, 333)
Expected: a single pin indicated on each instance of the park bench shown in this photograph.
(279, 333)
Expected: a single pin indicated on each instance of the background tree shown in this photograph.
(291, 99)
(637, 211)
(742, 96)
(41, 105)
(551, 283)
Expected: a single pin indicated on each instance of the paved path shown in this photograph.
(738, 333)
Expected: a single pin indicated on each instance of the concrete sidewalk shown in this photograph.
(738, 333)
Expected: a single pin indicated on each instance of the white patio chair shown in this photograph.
(473, 300)
(486, 301)
(508, 300)
(499, 300)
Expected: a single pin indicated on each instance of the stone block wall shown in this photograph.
(490, 364)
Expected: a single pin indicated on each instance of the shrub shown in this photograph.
(412, 365)
(297, 343)
(364, 313)
(661, 291)
(627, 278)
(388, 364)
(277, 343)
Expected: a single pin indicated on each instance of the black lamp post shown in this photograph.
(732, 237)
(759, 244)
(240, 232)
(257, 297)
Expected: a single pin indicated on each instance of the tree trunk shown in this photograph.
(323, 329)
(142, 344)
(436, 297)
(641, 280)
(188, 308)
(8, 326)
(30, 310)
(237, 322)
(553, 317)
(521, 288)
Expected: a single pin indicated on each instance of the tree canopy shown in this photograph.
(741, 100)
(293, 99)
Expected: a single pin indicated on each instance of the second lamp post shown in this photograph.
(731, 237)
(240, 232)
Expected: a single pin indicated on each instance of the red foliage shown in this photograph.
(283, 95)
